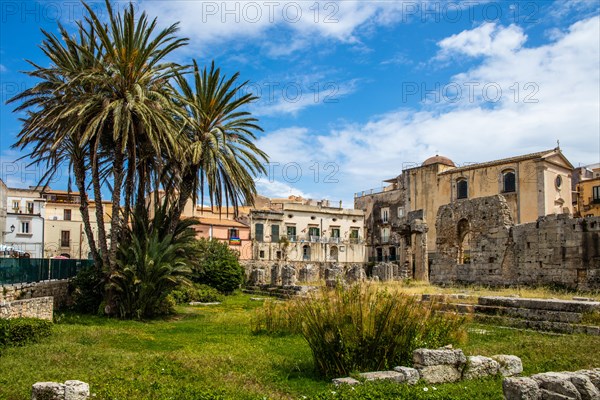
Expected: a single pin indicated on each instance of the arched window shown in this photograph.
(509, 183)
(462, 189)
(306, 252)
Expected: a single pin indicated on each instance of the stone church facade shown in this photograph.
(402, 224)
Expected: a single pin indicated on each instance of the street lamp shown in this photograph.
(12, 229)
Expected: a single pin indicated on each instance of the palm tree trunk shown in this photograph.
(79, 169)
(186, 190)
(103, 244)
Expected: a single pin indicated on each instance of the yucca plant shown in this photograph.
(151, 262)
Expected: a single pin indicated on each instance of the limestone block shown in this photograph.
(428, 357)
(593, 375)
(509, 365)
(288, 275)
(520, 389)
(345, 381)
(548, 395)
(47, 391)
(480, 367)
(584, 386)
(441, 373)
(411, 375)
(76, 390)
(383, 375)
(557, 382)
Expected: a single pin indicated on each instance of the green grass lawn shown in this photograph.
(209, 352)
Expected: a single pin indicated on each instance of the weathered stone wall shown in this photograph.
(58, 289)
(292, 273)
(555, 250)
(41, 307)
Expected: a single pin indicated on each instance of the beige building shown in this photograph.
(587, 191)
(304, 230)
(64, 232)
(400, 218)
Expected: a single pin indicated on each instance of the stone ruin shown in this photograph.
(443, 366)
(579, 385)
(308, 273)
(479, 243)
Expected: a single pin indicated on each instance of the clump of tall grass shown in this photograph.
(361, 328)
(276, 318)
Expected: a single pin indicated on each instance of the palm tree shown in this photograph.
(48, 127)
(220, 155)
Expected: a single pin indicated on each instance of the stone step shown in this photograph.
(530, 314)
(557, 327)
(573, 306)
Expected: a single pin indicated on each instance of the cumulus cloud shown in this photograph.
(489, 39)
(560, 102)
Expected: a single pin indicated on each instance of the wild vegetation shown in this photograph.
(209, 352)
(20, 331)
(123, 117)
(361, 328)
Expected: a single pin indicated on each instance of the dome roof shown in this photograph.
(437, 159)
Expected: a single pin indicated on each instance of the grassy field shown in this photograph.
(209, 353)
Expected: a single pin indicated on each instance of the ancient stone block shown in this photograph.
(288, 275)
(257, 277)
(276, 275)
(76, 390)
(557, 382)
(593, 375)
(509, 365)
(440, 373)
(428, 357)
(584, 386)
(411, 375)
(48, 391)
(384, 375)
(345, 381)
(520, 389)
(356, 273)
(480, 367)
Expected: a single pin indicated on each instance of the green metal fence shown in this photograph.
(23, 270)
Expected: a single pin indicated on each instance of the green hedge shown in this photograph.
(19, 331)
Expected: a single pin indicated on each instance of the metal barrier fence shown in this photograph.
(26, 270)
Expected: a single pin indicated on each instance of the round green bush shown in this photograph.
(217, 266)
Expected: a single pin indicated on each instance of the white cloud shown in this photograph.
(566, 82)
(3, 68)
(486, 40)
(292, 97)
(212, 22)
(277, 189)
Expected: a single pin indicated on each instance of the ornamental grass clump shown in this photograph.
(365, 328)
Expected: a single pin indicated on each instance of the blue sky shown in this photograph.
(352, 92)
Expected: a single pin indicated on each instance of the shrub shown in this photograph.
(19, 331)
(87, 290)
(151, 262)
(360, 328)
(217, 266)
(196, 292)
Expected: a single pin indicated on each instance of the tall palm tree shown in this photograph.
(220, 158)
(48, 128)
(106, 104)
